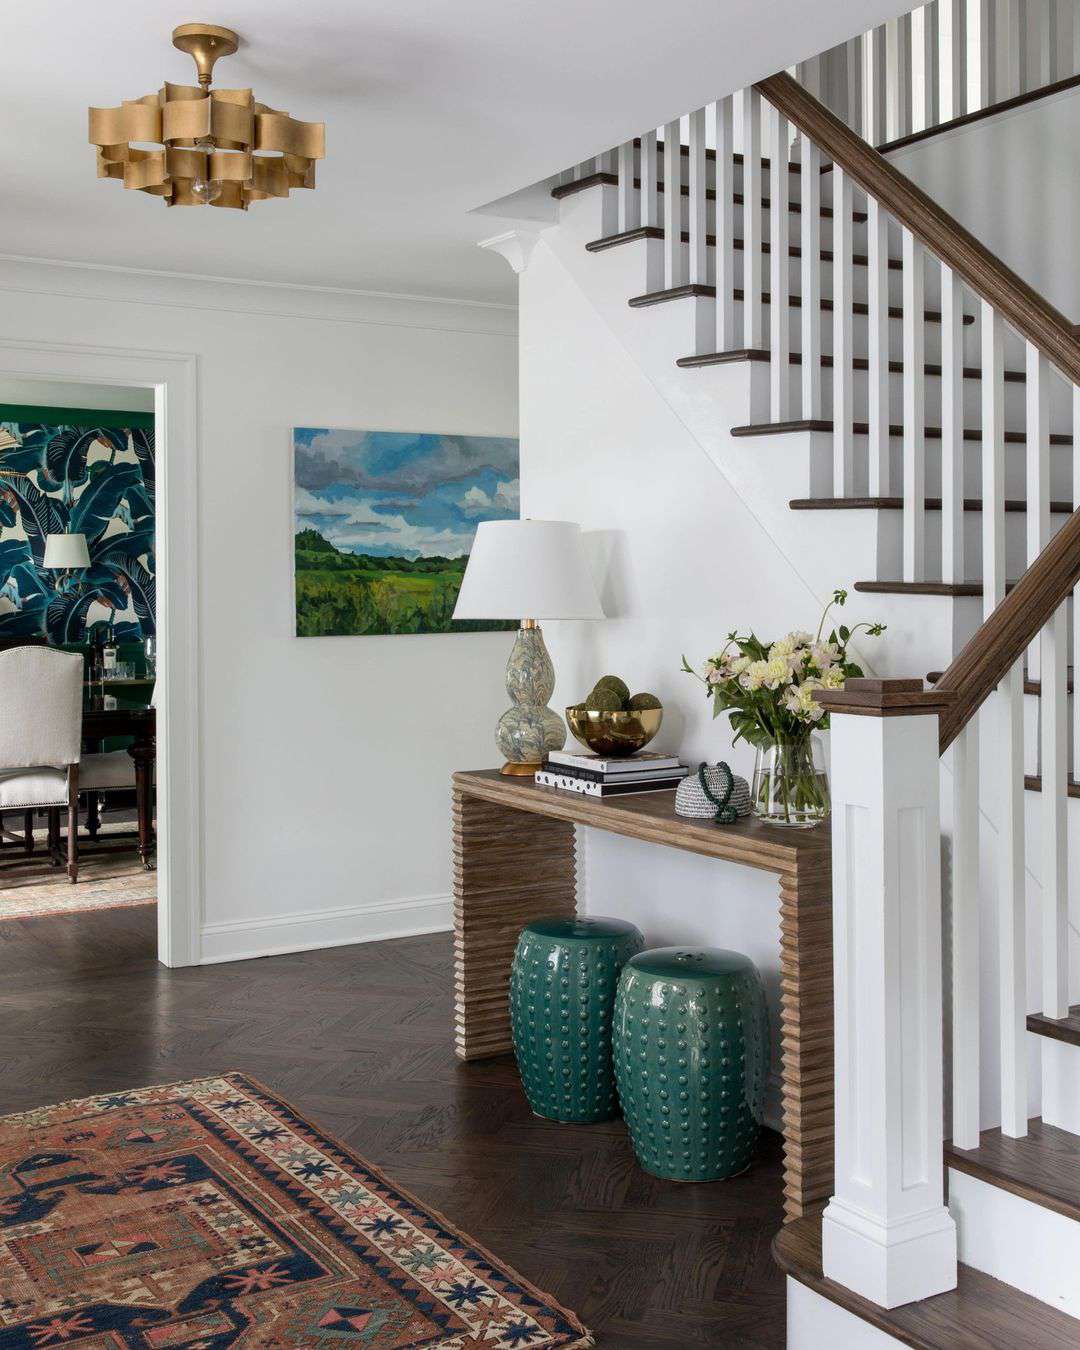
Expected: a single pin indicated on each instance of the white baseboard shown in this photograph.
(814, 1321)
(310, 929)
(1017, 1241)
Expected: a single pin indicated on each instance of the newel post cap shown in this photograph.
(864, 697)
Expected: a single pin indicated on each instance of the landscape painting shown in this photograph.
(384, 521)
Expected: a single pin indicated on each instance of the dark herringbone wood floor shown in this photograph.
(359, 1039)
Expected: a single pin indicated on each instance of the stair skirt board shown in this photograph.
(814, 1321)
(1017, 1241)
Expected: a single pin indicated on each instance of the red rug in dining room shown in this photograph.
(212, 1214)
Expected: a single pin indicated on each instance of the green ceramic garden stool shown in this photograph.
(562, 992)
(691, 1046)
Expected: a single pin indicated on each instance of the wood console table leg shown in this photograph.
(806, 1016)
(510, 867)
(143, 752)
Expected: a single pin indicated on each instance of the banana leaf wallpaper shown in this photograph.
(384, 524)
(74, 471)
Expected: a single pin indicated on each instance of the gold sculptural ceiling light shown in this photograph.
(197, 146)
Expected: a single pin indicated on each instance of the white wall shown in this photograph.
(681, 561)
(326, 762)
(1014, 182)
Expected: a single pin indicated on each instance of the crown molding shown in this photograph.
(144, 286)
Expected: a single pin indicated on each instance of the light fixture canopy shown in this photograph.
(211, 147)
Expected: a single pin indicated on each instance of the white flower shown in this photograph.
(824, 654)
(738, 665)
(834, 678)
(777, 672)
(716, 676)
(801, 639)
(753, 677)
(785, 647)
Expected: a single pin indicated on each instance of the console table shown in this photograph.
(514, 861)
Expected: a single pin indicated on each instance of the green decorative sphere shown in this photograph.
(619, 687)
(562, 992)
(691, 1039)
(603, 699)
(639, 702)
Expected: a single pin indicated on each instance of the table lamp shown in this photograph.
(66, 553)
(535, 568)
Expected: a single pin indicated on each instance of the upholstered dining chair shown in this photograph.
(40, 737)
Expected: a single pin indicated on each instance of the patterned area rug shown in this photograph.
(110, 874)
(209, 1214)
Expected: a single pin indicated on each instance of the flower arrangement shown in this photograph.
(768, 691)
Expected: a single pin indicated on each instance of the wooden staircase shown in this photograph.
(923, 386)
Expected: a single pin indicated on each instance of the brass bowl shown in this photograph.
(615, 733)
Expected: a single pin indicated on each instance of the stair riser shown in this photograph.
(1015, 470)
(814, 1321)
(1024, 1244)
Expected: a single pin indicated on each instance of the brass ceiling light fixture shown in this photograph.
(197, 146)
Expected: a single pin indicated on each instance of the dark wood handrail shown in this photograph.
(1001, 640)
(1033, 317)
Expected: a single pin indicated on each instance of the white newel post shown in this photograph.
(886, 1232)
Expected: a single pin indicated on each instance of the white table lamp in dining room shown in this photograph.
(528, 570)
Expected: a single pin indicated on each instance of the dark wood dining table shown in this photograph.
(122, 719)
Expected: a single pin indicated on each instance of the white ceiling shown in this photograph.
(433, 107)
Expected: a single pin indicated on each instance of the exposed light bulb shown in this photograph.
(203, 187)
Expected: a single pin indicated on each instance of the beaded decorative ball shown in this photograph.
(691, 1038)
(562, 994)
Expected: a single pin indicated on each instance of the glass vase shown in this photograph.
(790, 785)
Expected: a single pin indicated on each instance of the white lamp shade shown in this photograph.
(528, 569)
(66, 550)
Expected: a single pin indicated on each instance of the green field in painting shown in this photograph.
(342, 594)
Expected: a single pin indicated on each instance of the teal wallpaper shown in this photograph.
(67, 470)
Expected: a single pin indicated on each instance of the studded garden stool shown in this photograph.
(562, 992)
(691, 1046)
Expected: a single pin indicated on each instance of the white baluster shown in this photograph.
(952, 428)
(853, 85)
(810, 234)
(1076, 589)
(1009, 42)
(698, 265)
(886, 1232)
(1039, 24)
(877, 234)
(965, 937)
(914, 410)
(980, 48)
(726, 339)
(673, 250)
(898, 68)
(1037, 465)
(753, 317)
(650, 175)
(952, 54)
(874, 85)
(1054, 875)
(924, 67)
(629, 210)
(842, 354)
(1008, 736)
(779, 272)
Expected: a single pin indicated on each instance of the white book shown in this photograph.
(644, 759)
(585, 788)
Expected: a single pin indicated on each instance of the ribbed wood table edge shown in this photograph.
(496, 852)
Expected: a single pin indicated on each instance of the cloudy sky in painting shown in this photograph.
(402, 494)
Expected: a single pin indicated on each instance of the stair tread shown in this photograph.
(931, 368)
(960, 588)
(895, 430)
(794, 301)
(1033, 783)
(607, 241)
(897, 504)
(1057, 1028)
(1043, 1166)
(981, 1313)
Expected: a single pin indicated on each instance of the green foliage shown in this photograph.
(343, 594)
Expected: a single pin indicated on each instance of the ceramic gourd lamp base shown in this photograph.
(691, 1038)
(529, 729)
(562, 993)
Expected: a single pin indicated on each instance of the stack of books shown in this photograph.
(595, 776)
